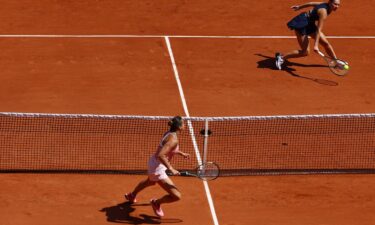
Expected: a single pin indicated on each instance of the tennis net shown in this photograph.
(239, 145)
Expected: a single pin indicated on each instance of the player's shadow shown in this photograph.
(269, 63)
(121, 213)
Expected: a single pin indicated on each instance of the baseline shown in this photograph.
(165, 36)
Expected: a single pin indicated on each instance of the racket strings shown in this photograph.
(338, 67)
(208, 171)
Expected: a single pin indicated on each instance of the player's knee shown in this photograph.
(176, 196)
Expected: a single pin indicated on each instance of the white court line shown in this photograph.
(207, 189)
(164, 36)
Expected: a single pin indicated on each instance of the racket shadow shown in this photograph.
(269, 63)
(125, 213)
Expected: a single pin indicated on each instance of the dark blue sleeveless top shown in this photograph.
(304, 23)
(314, 12)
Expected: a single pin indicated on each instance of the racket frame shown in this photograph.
(332, 67)
(196, 172)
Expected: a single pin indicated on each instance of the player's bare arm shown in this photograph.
(184, 154)
(322, 16)
(170, 144)
(309, 4)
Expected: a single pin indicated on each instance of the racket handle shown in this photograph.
(184, 173)
(321, 53)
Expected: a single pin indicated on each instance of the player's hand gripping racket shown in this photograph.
(337, 66)
(205, 171)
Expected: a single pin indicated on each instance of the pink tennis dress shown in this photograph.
(156, 169)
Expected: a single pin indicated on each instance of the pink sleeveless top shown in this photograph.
(170, 153)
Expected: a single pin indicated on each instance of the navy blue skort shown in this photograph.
(302, 24)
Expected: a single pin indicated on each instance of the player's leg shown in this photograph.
(173, 195)
(304, 43)
(141, 185)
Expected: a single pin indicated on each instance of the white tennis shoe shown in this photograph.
(279, 60)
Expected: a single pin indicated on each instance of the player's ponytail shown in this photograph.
(175, 123)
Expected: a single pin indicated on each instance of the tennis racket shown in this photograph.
(337, 66)
(206, 171)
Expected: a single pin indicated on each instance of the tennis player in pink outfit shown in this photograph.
(157, 166)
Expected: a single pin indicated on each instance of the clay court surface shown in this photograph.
(219, 76)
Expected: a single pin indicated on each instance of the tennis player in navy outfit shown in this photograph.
(309, 23)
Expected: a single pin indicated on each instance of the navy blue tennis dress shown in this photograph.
(304, 23)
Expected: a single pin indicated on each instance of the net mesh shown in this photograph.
(239, 145)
